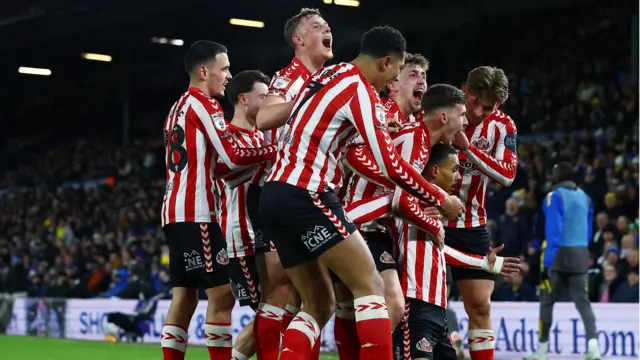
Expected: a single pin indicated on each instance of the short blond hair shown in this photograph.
(417, 59)
(292, 24)
(488, 83)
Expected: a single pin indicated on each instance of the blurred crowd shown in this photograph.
(82, 219)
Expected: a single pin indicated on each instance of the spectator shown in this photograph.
(610, 284)
(512, 230)
(518, 291)
(628, 291)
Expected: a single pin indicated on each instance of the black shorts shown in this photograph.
(262, 244)
(473, 241)
(424, 333)
(197, 255)
(302, 224)
(244, 280)
(381, 246)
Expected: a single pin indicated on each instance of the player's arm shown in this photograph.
(408, 207)
(274, 112)
(501, 168)
(369, 209)
(368, 117)
(359, 159)
(554, 218)
(223, 141)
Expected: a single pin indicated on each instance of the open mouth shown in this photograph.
(417, 96)
(326, 42)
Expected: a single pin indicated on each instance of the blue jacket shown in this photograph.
(568, 222)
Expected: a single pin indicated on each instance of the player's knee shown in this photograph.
(395, 308)
(185, 300)
(220, 299)
(278, 295)
(377, 284)
(478, 308)
(322, 307)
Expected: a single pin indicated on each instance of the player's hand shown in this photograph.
(432, 212)
(393, 125)
(510, 265)
(438, 239)
(452, 207)
(460, 141)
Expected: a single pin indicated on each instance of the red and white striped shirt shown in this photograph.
(336, 103)
(423, 267)
(286, 84)
(492, 154)
(413, 144)
(231, 201)
(195, 134)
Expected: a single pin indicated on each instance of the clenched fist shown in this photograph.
(452, 207)
(460, 141)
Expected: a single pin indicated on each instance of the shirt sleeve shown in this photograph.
(408, 207)
(359, 159)
(369, 209)
(554, 218)
(501, 167)
(461, 259)
(209, 119)
(368, 117)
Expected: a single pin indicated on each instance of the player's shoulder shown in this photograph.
(289, 74)
(210, 104)
(388, 104)
(500, 117)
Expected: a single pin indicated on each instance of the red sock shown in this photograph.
(218, 337)
(174, 342)
(374, 328)
(345, 331)
(481, 344)
(266, 331)
(300, 338)
(315, 352)
(289, 313)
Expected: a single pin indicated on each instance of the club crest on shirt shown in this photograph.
(423, 345)
(386, 258)
(379, 113)
(281, 82)
(482, 143)
(218, 121)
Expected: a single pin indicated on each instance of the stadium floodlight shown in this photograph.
(97, 57)
(165, 41)
(248, 23)
(327, 1)
(34, 71)
(352, 3)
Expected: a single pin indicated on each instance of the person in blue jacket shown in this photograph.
(568, 219)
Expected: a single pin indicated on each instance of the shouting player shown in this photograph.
(303, 215)
(404, 94)
(310, 36)
(490, 155)
(446, 116)
(245, 91)
(195, 134)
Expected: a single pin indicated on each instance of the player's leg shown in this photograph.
(220, 299)
(452, 320)
(577, 285)
(476, 287)
(548, 290)
(275, 286)
(184, 280)
(246, 287)
(444, 349)
(345, 332)
(380, 245)
(424, 329)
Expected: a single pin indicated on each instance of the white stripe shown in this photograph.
(368, 207)
(370, 314)
(366, 107)
(211, 131)
(469, 260)
(301, 326)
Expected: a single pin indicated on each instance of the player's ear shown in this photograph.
(433, 171)
(384, 63)
(203, 72)
(242, 99)
(465, 90)
(297, 39)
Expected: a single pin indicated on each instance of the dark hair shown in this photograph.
(442, 95)
(564, 171)
(439, 153)
(489, 83)
(381, 41)
(243, 83)
(293, 23)
(201, 52)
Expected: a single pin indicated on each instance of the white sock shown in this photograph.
(592, 346)
(543, 347)
(237, 355)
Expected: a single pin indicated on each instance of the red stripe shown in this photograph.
(191, 145)
(208, 158)
(242, 217)
(434, 274)
(177, 176)
(443, 276)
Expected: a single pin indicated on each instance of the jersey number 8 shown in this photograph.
(177, 154)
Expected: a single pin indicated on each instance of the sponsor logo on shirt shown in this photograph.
(281, 82)
(218, 121)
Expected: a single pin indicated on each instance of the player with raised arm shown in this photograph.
(303, 215)
(446, 116)
(195, 134)
(488, 152)
(310, 37)
(245, 91)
